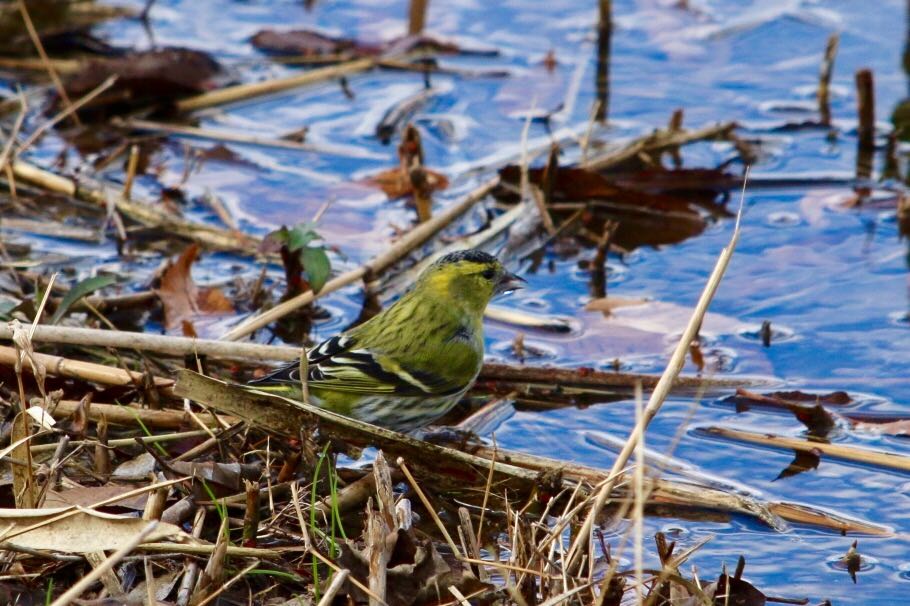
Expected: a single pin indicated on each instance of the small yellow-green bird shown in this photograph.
(407, 366)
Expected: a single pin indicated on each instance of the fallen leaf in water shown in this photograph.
(662, 210)
(853, 561)
(146, 78)
(311, 43)
(80, 532)
(308, 43)
(182, 299)
(802, 461)
(396, 182)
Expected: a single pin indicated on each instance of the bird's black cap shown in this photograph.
(473, 255)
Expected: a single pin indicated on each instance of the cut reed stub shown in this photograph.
(865, 106)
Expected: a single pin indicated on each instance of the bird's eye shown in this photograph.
(489, 273)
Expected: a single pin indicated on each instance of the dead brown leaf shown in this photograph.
(396, 182)
(80, 532)
(85, 496)
(182, 299)
(145, 78)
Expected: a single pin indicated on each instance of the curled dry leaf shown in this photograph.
(224, 478)
(183, 301)
(396, 182)
(79, 532)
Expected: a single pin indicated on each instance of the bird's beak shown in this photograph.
(509, 282)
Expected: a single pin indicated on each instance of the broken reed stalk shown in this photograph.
(161, 344)
(231, 137)
(117, 414)
(88, 371)
(602, 74)
(244, 92)
(865, 130)
(505, 469)
(417, 16)
(377, 265)
(824, 79)
(865, 456)
(423, 200)
(141, 212)
(88, 580)
(45, 60)
(131, 166)
(584, 537)
(658, 141)
(338, 580)
(865, 108)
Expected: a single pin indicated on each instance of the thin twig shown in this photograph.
(48, 65)
(69, 110)
(244, 92)
(661, 390)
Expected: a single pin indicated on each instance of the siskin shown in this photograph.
(407, 366)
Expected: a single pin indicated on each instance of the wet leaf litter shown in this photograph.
(271, 498)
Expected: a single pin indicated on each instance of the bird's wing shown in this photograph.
(339, 365)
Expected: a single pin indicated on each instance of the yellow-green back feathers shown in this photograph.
(408, 365)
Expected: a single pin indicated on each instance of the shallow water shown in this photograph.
(833, 281)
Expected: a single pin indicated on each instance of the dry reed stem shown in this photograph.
(445, 533)
(146, 214)
(45, 60)
(61, 66)
(225, 586)
(417, 16)
(656, 141)
(841, 451)
(824, 78)
(88, 371)
(332, 590)
(162, 344)
(131, 166)
(581, 544)
(352, 579)
(377, 265)
(232, 137)
(108, 578)
(285, 417)
(14, 133)
(117, 414)
(188, 582)
(244, 92)
(638, 509)
(865, 109)
(459, 596)
(121, 442)
(88, 580)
